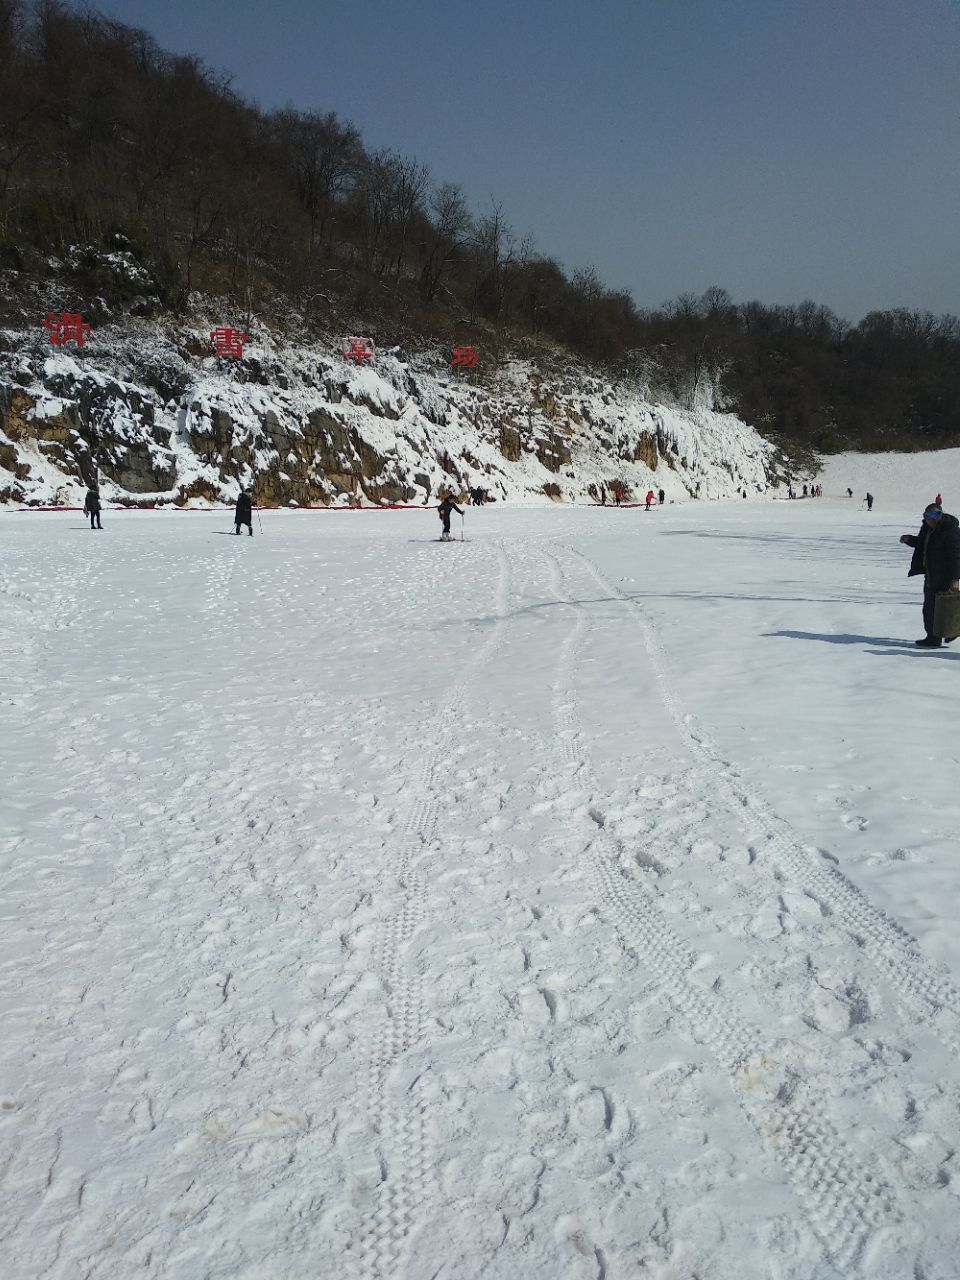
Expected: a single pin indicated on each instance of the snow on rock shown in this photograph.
(147, 413)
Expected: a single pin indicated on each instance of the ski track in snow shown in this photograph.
(409, 977)
(407, 1171)
(846, 1201)
(933, 997)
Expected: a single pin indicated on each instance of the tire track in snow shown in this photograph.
(407, 1167)
(844, 1200)
(935, 999)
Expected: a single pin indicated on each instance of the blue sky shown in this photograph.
(783, 151)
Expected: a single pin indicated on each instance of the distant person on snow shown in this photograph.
(91, 508)
(244, 513)
(938, 501)
(617, 494)
(869, 501)
(936, 554)
(661, 495)
(447, 505)
(849, 493)
(649, 499)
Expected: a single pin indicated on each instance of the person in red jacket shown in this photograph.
(649, 498)
(938, 501)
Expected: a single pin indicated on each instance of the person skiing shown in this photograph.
(936, 554)
(661, 495)
(91, 508)
(447, 505)
(869, 501)
(244, 513)
(849, 493)
(649, 499)
(938, 501)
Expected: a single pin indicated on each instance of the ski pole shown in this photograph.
(260, 522)
(461, 526)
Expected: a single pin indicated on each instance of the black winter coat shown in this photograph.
(91, 504)
(939, 561)
(244, 513)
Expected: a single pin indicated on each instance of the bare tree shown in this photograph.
(409, 183)
(322, 156)
(448, 227)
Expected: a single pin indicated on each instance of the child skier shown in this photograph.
(447, 505)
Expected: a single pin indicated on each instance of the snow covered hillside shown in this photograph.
(896, 480)
(574, 902)
(149, 413)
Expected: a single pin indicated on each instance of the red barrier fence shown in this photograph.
(213, 511)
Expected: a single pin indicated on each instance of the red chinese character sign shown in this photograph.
(70, 327)
(359, 350)
(229, 342)
(465, 357)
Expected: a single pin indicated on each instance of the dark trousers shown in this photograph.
(94, 516)
(929, 604)
(249, 525)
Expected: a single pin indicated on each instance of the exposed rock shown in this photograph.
(510, 445)
(152, 417)
(646, 451)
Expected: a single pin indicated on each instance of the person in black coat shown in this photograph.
(447, 505)
(936, 554)
(91, 508)
(244, 512)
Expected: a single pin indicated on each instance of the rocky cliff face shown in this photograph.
(143, 411)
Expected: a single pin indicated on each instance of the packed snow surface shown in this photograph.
(894, 479)
(577, 900)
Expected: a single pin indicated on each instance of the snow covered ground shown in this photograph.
(896, 480)
(575, 901)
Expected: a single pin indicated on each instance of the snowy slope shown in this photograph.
(148, 413)
(896, 480)
(575, 901)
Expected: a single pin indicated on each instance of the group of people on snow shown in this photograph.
(936, 545)
(809, 491)
(617, 491)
